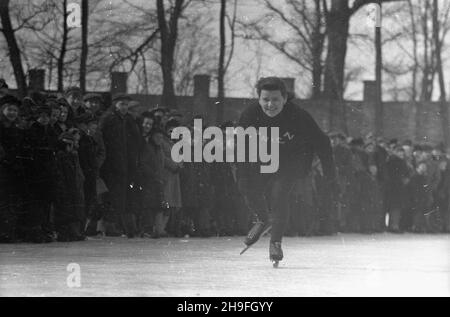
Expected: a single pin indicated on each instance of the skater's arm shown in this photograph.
(322, 146)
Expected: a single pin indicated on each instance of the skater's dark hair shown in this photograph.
(271, 84)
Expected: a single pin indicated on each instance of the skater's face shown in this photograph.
(11, 112)
(272, 102)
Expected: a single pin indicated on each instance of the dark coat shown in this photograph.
(196, 185)
(69, 179)
(395, 190)
(121, 138)
(40, 172)
(11, 174)
(300, 138)
(87, 152)
(150, 179)
(443, 191)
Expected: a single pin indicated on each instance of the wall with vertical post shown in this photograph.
(202, 105)
(36, 79)
(118, 82)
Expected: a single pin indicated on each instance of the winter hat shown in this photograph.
(93, 96)
(10, 100)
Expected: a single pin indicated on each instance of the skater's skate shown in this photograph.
(275, 253)
(259, 228)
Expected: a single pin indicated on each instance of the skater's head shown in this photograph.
(272, 95)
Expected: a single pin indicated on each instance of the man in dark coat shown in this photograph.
(121, 138)
(396, 178)
(41, 140)
(299, 139)
(91, 155)
(69, 200)
(11, 171)
(343, 160)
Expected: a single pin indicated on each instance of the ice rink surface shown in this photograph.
(342, 265)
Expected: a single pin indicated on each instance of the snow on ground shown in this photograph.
(342, 265)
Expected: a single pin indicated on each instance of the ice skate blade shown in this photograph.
(245, 249)
(275, 264)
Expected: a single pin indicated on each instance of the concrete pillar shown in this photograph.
(118, 82)
(370, 104)
(201, 98)
(36, 79)
(370, 91)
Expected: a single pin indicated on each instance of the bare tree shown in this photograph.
(304, 46)
(442, 99)
(14, 51)
(84, 43)
(63, 49)
(222, 51)
(168, 34)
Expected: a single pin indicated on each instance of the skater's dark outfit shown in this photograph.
(300, 139)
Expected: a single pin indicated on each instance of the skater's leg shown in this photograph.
(280, 193)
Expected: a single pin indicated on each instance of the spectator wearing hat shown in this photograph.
(91, 156)
(442, 197)
(357, 220)
(396, 180)
(121, 138)
(40, 174)
(172, 189)
(74, 98)
(69, 203)
(160, 116)
(11, 172)
(55, 112)
(420, 199)
(93, 104)
(375, 191)
(343, 160)
(62, 124)
(150, 177)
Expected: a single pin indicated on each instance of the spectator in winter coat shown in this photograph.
(90, 152)
(397, 177)
(121, 137)
(40, 173)
(420, 198)
(442, 198)
(69, 202)
(11, 171)
(172, 189)
(150, 177)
